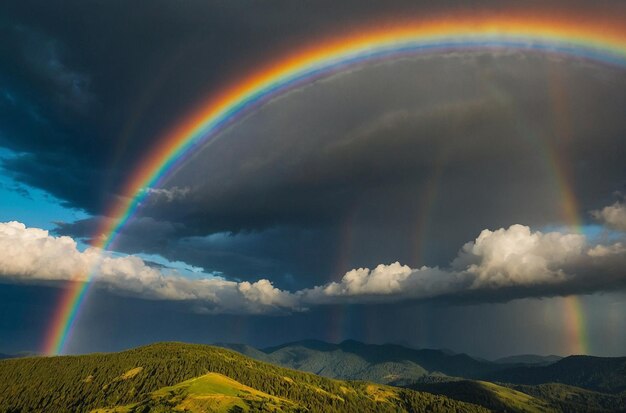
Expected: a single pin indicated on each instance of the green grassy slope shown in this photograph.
(574, 399)
(494, 397)
(551, 397)
(162, 376)
(212, 392)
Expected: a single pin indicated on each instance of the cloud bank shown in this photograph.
(499, 265)
(504, 264)
(32, 255)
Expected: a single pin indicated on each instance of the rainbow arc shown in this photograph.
(596, 41)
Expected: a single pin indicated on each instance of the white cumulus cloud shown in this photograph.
(498, 265)
(516, 260)
(517, 256)
(32, 254)
(614, 216)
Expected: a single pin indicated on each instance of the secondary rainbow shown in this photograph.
(572, 36)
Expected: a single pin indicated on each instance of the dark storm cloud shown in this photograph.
(42, 109)
(403, 161)
(414, 155)
(292, 257)
(43, 58)
(489, 123)
(97, 83)
(81, 82)
(343, 170)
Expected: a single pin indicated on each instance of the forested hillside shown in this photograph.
(142, 379)
(604, 374)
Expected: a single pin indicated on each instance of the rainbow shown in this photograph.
(570, 36)
(575, 337)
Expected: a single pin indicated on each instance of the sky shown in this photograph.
(473, 200)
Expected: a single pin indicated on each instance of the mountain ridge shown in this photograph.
(398, 365)
(352, 360)
(528, 359)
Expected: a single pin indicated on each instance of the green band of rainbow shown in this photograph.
(595, 41)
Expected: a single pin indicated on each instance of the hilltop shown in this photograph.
(397, 365)
(529, 359)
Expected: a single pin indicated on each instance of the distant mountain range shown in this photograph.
(402, 366)
(388, 364)
(528, 359)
